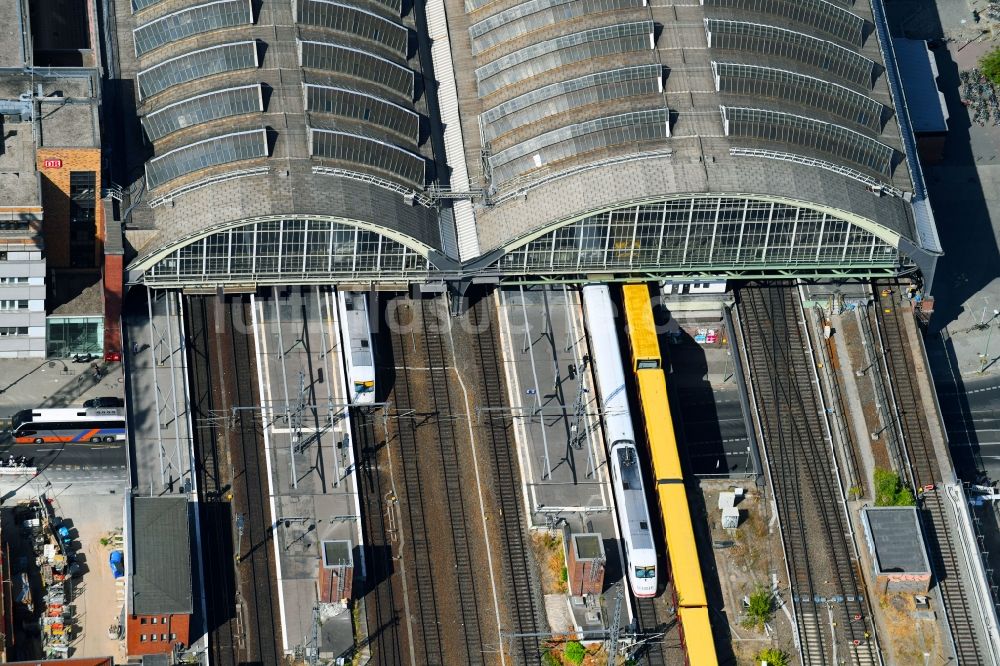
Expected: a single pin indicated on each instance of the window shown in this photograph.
(152, 637)
(142, 639)
(154, 620)
(142, 620)
(13, 305)
(163, 637)
(13, 330)
(82, 223)
(173, 637)
(13, 280)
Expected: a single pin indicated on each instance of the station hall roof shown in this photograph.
(583, 104)
(300, 107)
(560, 109)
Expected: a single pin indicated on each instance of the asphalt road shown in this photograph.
(972, 419)
(80, 454)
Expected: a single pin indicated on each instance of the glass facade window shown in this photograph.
(74, 335)
(279, 251)
(82, 222)
(564, 50)
(714, 234)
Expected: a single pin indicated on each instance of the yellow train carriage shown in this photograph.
(699, 645)
(689, 588)
(659, 426)
(641, 327)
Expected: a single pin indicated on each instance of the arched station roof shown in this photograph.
(298, 107)
(792, 100)
(558, 111)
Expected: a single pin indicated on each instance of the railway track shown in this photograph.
(257, 571)
(427, 639)
(451, 467)
(830, 611)
(519, 574)
(384, 633)
(923, 463)
(649, 623)
(214, 511)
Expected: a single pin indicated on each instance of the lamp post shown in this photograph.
(984, 358)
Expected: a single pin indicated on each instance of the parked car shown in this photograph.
(117, 562)
(104, 402)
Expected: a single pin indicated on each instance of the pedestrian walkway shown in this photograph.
(158, 399)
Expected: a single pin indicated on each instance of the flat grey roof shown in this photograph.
(77, 83)
(10, 35)
(19, 189)
(898, 541)
(19, 184)
(161, 556)
(918, 71)
(70, 125)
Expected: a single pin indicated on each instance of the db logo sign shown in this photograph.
(52, 164)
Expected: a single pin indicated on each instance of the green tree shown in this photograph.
(760, 609)
(990, 66)
(773, 657)
(890, 491)
(549, 659)
(574, 652)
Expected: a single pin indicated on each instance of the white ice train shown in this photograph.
(626, 473)
(355, 329)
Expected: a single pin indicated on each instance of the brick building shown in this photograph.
(158, 568)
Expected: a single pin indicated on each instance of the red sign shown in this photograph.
(52, 164)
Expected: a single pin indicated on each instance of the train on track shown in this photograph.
(355, 328)
(626, 474)
(685, 568)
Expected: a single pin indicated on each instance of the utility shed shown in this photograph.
(337, 572)
(585, 565)
(896, 544)
(158, 567)
(925, 102)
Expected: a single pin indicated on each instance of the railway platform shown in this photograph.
(556, 415)
(160, 447)
(554, 406)
(158, 398)
(710, 421)
(310, 466)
